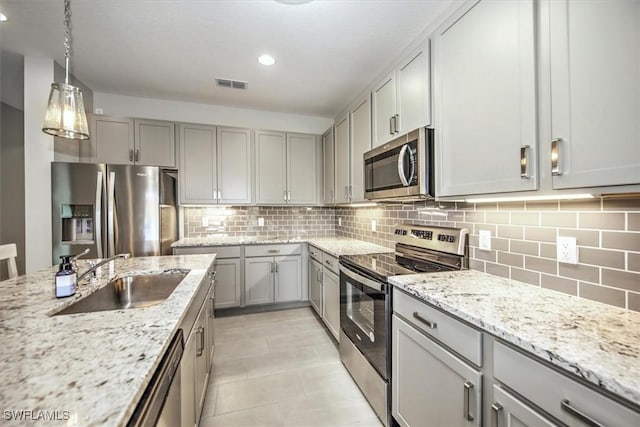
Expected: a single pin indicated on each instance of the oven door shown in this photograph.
(363, 316)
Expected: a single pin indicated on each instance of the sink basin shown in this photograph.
(137, 291)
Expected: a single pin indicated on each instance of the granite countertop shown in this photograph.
(92, 367)
(334, 245)
(594, 341)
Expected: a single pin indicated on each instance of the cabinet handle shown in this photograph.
(288, 196)
(215, 194)
(432, 325)
(274, 251)
(131, 154)
(468, 385)
(284, 195)
(211, 314)
(219, 195)
(391, 125)
(524, 154)
(271, 267)
(555, 156)
(396, 119)
(136, 156)
(328, 263)
(566, 406)
(496, 408)
(200, 348)
(276, 264)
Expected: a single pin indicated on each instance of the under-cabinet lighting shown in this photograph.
(531, 198)
(362, 205)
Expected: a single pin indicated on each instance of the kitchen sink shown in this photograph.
(136, 291)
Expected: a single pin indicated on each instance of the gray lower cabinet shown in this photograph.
(273, 279)
(315, 285)
(187, 378)
(258, 280)
(508, 410)
(199, 334)
(431, 383)
(555, 393)
(288, 278)
(331, 302)
(211, 342)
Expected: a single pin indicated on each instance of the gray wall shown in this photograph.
(12, 201)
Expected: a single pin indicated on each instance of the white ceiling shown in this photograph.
(327, 51)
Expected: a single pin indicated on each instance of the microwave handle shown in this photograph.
(401, 172)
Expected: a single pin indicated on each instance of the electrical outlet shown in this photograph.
(373, 225)
(567, 250)
(205, 221)
(484, 241)
(339, 221)
(99, 111)
(260, 222)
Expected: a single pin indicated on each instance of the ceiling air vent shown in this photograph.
(234, 84)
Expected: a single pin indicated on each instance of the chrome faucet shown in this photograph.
(94, 267)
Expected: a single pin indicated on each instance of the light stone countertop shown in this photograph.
(93, 365)
(595, 341)
(336, 246)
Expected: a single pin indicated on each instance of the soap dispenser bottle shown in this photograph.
(66, 278)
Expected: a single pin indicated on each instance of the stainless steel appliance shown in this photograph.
(160, 404)
(365, 301)
(111, 209)
(401, 169)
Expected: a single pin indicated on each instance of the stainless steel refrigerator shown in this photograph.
(112, 209)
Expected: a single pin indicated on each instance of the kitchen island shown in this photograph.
(86, 369)
(590, 342)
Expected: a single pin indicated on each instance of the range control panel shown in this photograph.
(445, 239)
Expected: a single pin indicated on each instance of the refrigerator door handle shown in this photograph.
(98, 215)
(111, 213)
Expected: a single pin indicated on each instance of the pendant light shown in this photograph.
(65, 116)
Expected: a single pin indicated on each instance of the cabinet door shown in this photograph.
(509, 411)
(383, 109)
(360, 144)
(112, 140)
(258, 280)
(328, 164)
(331, 301)
(187, 381)
(342, 161)
(301, 169)
(201, 368)
(413, 91)
(227, 285)
(315, 285)
(595, 92)
(486, 99)
(234, 165)
(288, 283)
(430, 383)
(155, 143)
(271, 172)
(197, 163)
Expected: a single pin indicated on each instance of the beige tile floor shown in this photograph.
(280, 369)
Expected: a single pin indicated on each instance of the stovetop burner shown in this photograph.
(419, 249)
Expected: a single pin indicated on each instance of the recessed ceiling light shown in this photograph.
(3, 17)
(266, 59)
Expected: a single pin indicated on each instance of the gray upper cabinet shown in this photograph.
(215, 164)
(485, 99)
(360, 144)
(301, 169)
(595, 87)
(234, 165)
(285, 168)
(124, 141)
(155, 143)
(328, 165)
(401, 100)
(342, 160)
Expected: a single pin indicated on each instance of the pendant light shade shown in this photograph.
(65, 116)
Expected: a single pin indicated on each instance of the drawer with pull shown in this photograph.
(557, 394)
(315, 253)
(272, 250)
(220, 251)
(459, 337)
(330, 262)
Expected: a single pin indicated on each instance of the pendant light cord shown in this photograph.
(67, 38)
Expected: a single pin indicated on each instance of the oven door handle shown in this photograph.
(360, 279)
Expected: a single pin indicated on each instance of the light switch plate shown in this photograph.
(260, 222)
(205, 221)
(484, 241)
(567, 250)
(373, 225)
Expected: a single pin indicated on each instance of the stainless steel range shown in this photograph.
(365, 301)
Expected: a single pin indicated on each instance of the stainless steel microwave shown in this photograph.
(401, 169)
